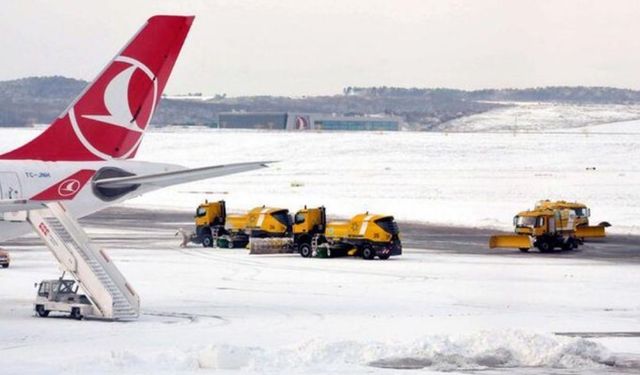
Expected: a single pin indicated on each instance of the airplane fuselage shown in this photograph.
(24, 179)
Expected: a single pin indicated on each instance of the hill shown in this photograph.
(40, 99)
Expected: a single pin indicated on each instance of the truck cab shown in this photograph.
(543, 228)
(210, 219)
(62, 295)
(307, 223)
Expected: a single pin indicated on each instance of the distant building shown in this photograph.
(356, 123)
(306, 121)
(252, 120)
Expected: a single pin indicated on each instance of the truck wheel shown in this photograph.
(230, 244)
(569, 245)
(305, 250)
(5, 266)
(544, 246)
(368, 253)
(524, 249)
(41, 311)
(207, 241)
(75, 313)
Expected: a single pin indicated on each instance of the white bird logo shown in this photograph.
(69, 187)
(116, 99)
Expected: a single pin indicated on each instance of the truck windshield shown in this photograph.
(525, 221)
(388, 224)
(201, 211)
(581, 212)
(299, 219)
(282, 217)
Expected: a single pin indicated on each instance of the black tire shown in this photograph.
(524, 249)
(41, 311)
(570, 244)
(230, 244)
(305, 250)
(207, 241)
(5, 266)
(384, 256)
(544, 246)
(75, 313)
(368, 253)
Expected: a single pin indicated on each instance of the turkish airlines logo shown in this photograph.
(110, 119)
(69, 187)
(302, 123)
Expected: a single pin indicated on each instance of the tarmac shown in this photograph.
(163, 224)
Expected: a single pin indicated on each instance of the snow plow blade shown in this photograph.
(590, 231)
(270, 246)
(510, 241)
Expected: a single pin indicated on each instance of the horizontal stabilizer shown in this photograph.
(179, 177)
(15, 205)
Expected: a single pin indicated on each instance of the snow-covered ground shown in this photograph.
(229, 312)
(462, 179)
(532, 116)
(468, 179)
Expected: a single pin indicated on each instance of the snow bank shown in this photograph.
(536, 117)
(485, 350)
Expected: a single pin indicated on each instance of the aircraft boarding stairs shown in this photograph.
(112, 297)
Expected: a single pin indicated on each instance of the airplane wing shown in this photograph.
(15, 205)
(179, 177)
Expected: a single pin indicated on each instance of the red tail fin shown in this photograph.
(108, 120)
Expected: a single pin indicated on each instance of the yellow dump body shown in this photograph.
(365, 226)
(338, 229)
(236, 223)
(268, 220)
(581, 211)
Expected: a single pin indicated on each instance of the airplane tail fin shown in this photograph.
(109, 118)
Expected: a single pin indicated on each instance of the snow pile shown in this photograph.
(532, 116)
(485, 350)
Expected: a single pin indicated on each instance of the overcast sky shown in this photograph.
(304, 47)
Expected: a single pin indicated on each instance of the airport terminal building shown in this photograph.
(306, 121)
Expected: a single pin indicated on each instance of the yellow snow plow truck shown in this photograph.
(364, 235)
(582, 212)
(543, 228)
(215, 227)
